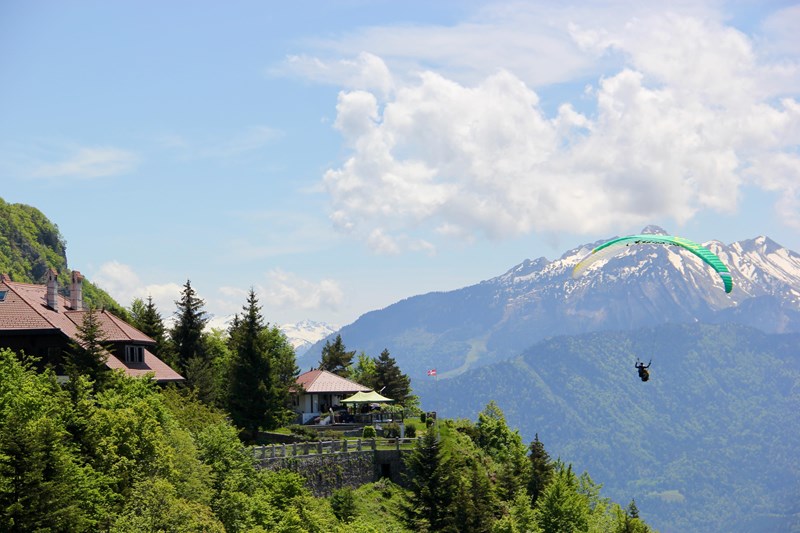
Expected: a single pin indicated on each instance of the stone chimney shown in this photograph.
(52, 290)
(76, 291)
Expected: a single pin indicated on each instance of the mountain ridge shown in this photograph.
(497, 318)
(707, 445)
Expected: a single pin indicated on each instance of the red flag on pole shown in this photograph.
(432, 372)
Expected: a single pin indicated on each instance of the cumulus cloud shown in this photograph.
(689, 118)
(287, 290)
(94, 162)
(124, 285)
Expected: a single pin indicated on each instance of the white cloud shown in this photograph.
(287, 290)
(123, 284)
(95, 162)
(680, 129)
(366, 71)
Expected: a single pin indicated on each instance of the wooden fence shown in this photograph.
(304, 449)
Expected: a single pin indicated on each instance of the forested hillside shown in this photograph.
(124, 455)
(30, 245)
(709, 444)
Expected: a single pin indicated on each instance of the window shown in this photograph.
(134, 354)
(3, 295)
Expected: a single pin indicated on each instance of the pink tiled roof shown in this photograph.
(318, 381)
(24, 308)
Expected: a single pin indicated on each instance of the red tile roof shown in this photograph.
(320, 381)
(24, 308)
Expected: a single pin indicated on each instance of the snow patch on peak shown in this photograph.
(302, 335)
(654, 230)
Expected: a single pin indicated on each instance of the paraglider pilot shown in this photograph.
(642, 368)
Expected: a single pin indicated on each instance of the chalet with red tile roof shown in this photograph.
(40, 321)
(321, 391)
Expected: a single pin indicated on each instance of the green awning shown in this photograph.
(367, 397)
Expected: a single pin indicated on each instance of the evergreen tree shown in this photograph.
(187, 333)
(390, 379)
(250, 387)
(336, 358)
(429, 504)
(541, 469)
(263, 372)
(284, 376)
(89, 353)
(475, 504)
(147, 319)
(561, 507)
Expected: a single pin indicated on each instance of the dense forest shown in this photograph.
(133, 457)
(106, 452)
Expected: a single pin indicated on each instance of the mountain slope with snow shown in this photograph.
(644, 286)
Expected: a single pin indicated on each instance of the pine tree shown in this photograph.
(541, 469)
(335, 357)
(187, 332)
(429, 504)
(390, 379)
(89, 353)
(147, 319)
(561, 507)
(250, 384)
(284, 370)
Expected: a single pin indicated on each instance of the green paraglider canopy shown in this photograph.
(618, 245)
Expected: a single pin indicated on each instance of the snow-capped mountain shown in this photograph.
(643, 286)
(303, 335)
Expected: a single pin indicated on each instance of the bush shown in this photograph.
(411, 431)
(303, 433)
(343, 504)
(369, 432)
(391, 431)
(423, 417)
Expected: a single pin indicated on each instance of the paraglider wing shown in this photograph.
(617, 245)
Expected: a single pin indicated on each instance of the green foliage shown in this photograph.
(561, 506)
(263, 370)
(135, 457)
(541, 469)
(29, 244)
(369, 432)
(343, 503)
(391, 430)
(389, 378)
(41, 480)
(335, 357)
(186, 334)
(88, 354)
(363, 370)
(146, 318)
(429, 503)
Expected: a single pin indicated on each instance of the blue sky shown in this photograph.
(341, 156)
